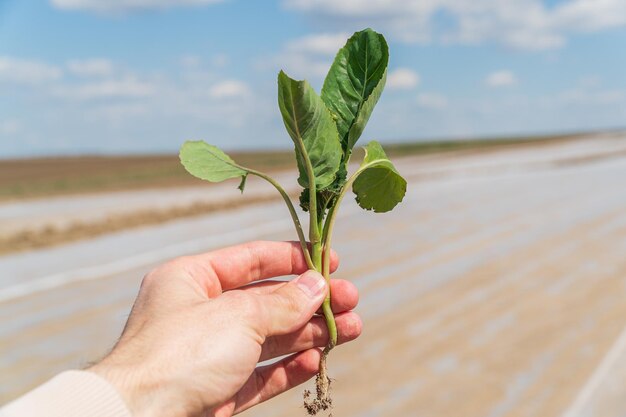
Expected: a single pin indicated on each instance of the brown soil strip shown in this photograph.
(52, 236)
(57, 176)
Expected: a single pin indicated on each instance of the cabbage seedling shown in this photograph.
(324, 129)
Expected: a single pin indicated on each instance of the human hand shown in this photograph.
(200, 325)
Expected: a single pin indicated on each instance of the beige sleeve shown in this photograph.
(69, 394)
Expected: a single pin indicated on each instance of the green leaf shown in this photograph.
(210, 163)
(378, 186)
(354, 84)
(310, 125)
(365, 112)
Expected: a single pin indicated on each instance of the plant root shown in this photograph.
(322, 401)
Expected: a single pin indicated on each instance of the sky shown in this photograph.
(143, 76)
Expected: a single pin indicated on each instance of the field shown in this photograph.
(69, 177)
(497, 288)
(45, 177)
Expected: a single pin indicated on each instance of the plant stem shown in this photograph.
(292, 211)
(326, 307)
(314, 231)
(327, 236)
(330, 322)
(315, 223)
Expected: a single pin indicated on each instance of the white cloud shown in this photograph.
(22, 71)
(591, 15)
(584, 96)
(432, 101)
(220, 60)
(523, 24)
(97, 67)
(307, 57)
(407, 19)
(503, 78)
(125, 6)
(10, 127)
(299, 66)
(403, 79)
(125, 88)
(589, 81)
(195, 62)
(229, 89)
(135, 111)
(116, 114)
(323, 44)
(190, 61)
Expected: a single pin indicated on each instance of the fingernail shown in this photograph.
(312, 283)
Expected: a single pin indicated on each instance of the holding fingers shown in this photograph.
(201, 324)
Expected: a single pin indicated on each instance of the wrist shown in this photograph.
(142, 396)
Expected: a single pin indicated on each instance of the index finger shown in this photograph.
(239, 265)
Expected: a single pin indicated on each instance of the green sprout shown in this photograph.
(324, 129)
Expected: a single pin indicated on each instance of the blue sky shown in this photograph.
(119, 76)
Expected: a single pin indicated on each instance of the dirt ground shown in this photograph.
(46, 177)
(496, 289)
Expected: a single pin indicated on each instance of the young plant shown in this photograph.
(324, 130)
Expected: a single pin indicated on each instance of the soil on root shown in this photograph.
(323, 400)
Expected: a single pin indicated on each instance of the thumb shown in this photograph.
(292, 305)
